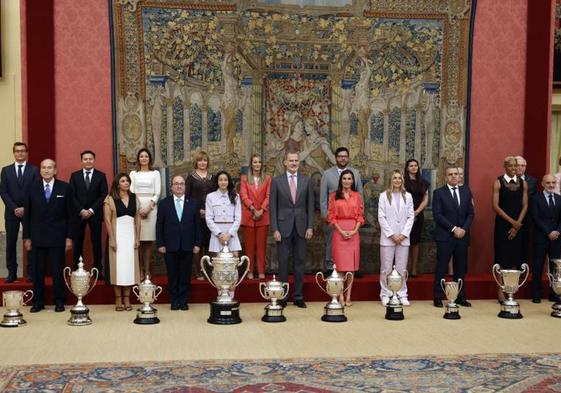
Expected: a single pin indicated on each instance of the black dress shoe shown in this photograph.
(11, 278)
(464, 303)
(437, 303)
(59, 308)
(36, 308)
(185, 307)
(300, 303)
(175, 307)
(536, 300)
(554, 298)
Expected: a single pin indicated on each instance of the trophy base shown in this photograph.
(334, 318)
(556, 313)
(79, 317)
(452, 312)
(510, 314)
(10, 321)
(394, 313)
(334, 312)
(273, 315)
(224, 313)
(146, 316)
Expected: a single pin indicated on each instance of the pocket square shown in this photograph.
(60, 196)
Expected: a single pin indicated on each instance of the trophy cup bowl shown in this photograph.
(334, 311)
(394, 308)
(80, 287)
(555, 283)
(451, 290)
(510, 309)
(13, 300)
(273, 291)
(224, 310)
(147, 293)
(557, 268)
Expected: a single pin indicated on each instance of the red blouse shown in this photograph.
(345, 208)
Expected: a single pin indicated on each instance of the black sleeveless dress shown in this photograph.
(508, 253)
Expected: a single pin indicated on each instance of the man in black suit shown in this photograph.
(88, 188)
(47, 232)
(178, 236)
(14, 185)
(546, 214)
(291, 208)
(527, 230)
(452, 209)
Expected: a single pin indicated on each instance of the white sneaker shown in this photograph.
(404, 301)
(385, 300)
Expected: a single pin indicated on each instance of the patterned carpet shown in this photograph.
(481, 373)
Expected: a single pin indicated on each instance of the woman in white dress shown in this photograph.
(223, 214)
(146, 184)
(122, 220)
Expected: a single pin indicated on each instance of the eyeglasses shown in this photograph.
(20, 151)
(177, 184)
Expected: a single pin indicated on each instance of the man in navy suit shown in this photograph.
(14, 184)
(546, 214)
(452, 209)
(88, 189)
(178, 236)
(527, 230)
(47, 232)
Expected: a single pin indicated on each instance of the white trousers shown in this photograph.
(389, 254)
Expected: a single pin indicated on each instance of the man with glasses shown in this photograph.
(329, 184)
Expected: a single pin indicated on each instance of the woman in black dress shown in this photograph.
(419, 189)
(510, 202)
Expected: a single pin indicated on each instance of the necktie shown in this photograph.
(178, 208)
(293, 188)
(551, 202)
(47, 192)
(511, 181)
(88, 181)
(20, 172)
(455, 196)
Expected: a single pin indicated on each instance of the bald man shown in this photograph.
(47, 232)
(546, 214)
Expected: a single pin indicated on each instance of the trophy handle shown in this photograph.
(550, 278)
(135, 291)
(442, 282)
(206, 259)
(525, 269)
(496, 269)
(95, 280)
(243, 259)
(64, 276)
(261, 286)
(287, 286)
(158, 292)
(25, 294)
(350, 277)
(317, 282)
(460, 284)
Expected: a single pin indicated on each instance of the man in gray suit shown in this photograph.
(291, 208)
(329, 183)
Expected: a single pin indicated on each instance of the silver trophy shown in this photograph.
(13, 300)
(394, 308)
(224, 310)
(80, 287)
(555, 283)
(274, 291)
(334, 287)
(451, 290)
(510, 278)
(147, 293)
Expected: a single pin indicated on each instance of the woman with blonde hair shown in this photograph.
(395, 215)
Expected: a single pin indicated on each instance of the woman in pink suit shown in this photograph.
(396, 216)
(254, 193)
(345, 214)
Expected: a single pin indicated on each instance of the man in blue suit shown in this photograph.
(14, 185)
(178, 236)
(546, 214)
(47, 232)
(452, 209)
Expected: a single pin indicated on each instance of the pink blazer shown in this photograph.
(259, 198)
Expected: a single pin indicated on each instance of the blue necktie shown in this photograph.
(20, 173)
(47, 192)
(178, 208)
(551, 203)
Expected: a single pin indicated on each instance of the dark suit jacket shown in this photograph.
(545, 219)
(173, 234)
(91, 198)
(13, 192)
(447, 214)
(47, 224)
(532, 186)
(284, 213)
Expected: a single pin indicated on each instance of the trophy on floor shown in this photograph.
(394, 308)
(274, 291)
(13, 300)
(224, 310)
(451, 290)
(334, 287)
(80, 287)
(147, 292)
(510, 309)
(555, 283)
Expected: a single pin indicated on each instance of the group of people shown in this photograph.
(203, 213)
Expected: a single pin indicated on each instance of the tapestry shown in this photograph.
(507, 373)
(385, 78)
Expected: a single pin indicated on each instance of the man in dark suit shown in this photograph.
(546, 214)
(14, 185)
(527, 230)
(178, 236)
(452, 209)
(291, 208)
(88, 188)
(47, 232)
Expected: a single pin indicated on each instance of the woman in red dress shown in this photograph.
(254, 193)
(345, 214)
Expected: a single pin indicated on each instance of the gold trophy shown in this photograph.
(13, 300)
(510, 278)
(147, 293)
(80, 287)
(334, 287)
(224, 310)
(555, 283)
(274, 291)
(451, 290)
(394, 308)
